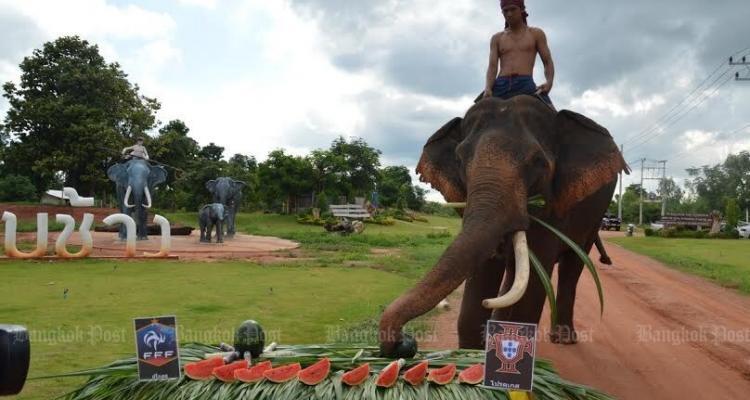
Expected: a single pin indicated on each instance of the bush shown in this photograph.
(439, 234)
(433, 208)
(381, 220)
(17, 188)
(648, 232)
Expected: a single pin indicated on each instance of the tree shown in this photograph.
(355, 166)
(17, 188)
(283, 177)
(212, 152)
(670, 192)
(732, 213)
(395, 189)
(72, 112)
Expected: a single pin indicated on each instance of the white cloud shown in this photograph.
(210, 4)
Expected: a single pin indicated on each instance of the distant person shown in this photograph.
(138, 150)
(516, 48)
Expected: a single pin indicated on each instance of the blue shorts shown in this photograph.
(509, 86)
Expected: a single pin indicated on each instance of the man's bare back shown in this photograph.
(514, 50)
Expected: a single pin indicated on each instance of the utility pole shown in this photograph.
(619, 199)
(663, 179)
(640, 190)
(743, 61)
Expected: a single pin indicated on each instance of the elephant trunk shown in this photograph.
(487, 219)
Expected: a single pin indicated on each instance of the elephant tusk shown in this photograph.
(148, 198)
(456, 205)
(129, 229)
(127, 196)
(166, 239)
(87, 243)
(521, 249)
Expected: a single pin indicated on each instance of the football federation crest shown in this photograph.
(156, 344)
(509, 357)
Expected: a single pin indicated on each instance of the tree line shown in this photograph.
(72, 112)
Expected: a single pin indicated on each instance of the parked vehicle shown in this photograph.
(744, 230)
(610, 221)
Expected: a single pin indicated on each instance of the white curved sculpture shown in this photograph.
(166, 237)
(129, 231)
(87, 242)
(76, 200)
(11, 223)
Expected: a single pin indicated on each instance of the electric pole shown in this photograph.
(657, 172)
(640, 190)
(619, 199)
(743, 61)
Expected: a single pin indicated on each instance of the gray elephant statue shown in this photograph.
(228, 192)
(209, 216)
(135, 182)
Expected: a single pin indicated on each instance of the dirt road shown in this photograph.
(664, 334)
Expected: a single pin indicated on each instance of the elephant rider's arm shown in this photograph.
(145, 153)
(127, 149)
(546, 56)
(492, 68)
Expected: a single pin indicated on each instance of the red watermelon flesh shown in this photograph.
(416, 374)
(472, 375)
(203, 370)
(226, 373)
(442, 376)
(254, 373)
(283, 373)
(357, 376)
(315, 373)
(389, 375)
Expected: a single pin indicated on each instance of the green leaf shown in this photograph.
(547, 283)
(582, 255)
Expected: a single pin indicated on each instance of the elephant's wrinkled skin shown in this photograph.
(210, 216)
(228, 192)
(500, 154)
(135, 183)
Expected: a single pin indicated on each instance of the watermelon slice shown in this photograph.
(389, 375)
(416, 374)
(254, 373)
(202, 370)
(357, 376)
(315, 373)
(283, 373)
(226, 373)
(472, 375)
(442, 376)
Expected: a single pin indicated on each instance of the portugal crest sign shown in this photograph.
(509, 357)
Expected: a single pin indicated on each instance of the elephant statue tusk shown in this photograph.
(521, 250)
(148, 199)
(11, 224)
(127, 196)
(87, 242)
(129, 229)
(456, 205)
(166, 238)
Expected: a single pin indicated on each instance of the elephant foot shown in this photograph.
(205, 241)
(220, 241)
(142, 238)
(605, 260)
(563, 334)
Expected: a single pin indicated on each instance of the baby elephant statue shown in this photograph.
(212, 215)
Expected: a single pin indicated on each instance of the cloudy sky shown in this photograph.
(255, 75)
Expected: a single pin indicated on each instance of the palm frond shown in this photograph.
(118, 380)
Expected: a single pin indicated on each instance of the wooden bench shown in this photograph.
(349, 211)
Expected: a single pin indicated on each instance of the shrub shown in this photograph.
(17, 188)
(648, 232)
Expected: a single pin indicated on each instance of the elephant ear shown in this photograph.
(157, 176)
(587, 159)
(439, 165)
(211, 185)
(239, 184)
(118, 173)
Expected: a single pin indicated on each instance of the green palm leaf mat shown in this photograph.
(118, 380)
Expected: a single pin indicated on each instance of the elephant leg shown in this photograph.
(603, 256)
(219, 232)
(472, 318)
(569, 271)
(209, 228)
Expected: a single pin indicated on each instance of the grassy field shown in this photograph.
(726, 262)
(333, 287)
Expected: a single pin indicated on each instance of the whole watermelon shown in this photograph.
(249, 338)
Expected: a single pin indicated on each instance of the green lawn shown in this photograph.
(338, 285)
(726, 262)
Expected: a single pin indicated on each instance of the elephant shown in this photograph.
(135, 181)
(228, 192)
(209, 216)
(501, 153)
